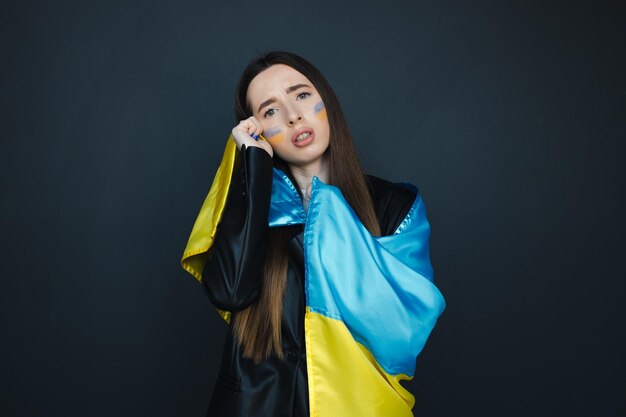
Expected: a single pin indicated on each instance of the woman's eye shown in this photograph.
(269, 113)
(303, 95)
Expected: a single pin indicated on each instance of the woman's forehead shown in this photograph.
(277, 73)
(277, 77)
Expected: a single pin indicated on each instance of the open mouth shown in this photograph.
(303, 137)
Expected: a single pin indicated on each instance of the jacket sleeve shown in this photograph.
(232, 277)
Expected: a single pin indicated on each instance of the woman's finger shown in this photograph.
(258, 124)
(256, 127)
(248, 131)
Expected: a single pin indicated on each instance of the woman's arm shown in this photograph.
(232, 277)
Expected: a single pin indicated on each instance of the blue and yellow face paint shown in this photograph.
(320, 111)
(274, 135)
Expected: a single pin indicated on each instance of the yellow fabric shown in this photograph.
(196, 252)
(345, 379)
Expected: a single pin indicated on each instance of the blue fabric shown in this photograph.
(380, 287)
(285, 206)
(414, 245)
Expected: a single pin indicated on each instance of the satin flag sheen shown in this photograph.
(371, 302)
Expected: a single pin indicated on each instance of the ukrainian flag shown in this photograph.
(370, 301)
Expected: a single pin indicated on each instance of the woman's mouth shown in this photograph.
(303, 137)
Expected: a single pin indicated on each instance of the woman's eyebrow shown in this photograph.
(287, 90)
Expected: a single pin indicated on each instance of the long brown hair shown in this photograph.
(258, 327)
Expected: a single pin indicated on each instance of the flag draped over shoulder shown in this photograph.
(196, 252)
(370, 301)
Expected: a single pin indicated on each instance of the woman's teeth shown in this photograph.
(303, 136)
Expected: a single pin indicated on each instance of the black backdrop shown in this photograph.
(509, 117)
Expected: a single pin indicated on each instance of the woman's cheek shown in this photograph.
(320, 111)
(274, 135)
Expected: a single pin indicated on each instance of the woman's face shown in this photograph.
(289, 107)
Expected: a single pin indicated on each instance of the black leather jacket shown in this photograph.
(232, 281)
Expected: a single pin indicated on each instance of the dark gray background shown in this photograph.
(509, 116)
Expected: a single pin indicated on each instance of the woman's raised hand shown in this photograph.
(243, 131)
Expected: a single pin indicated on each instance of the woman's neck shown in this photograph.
(304, 174)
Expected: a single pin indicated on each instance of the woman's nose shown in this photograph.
(294, 118)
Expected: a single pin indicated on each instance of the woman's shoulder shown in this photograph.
(392, 201)
(385, 191)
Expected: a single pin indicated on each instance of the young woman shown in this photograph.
(321, 271)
